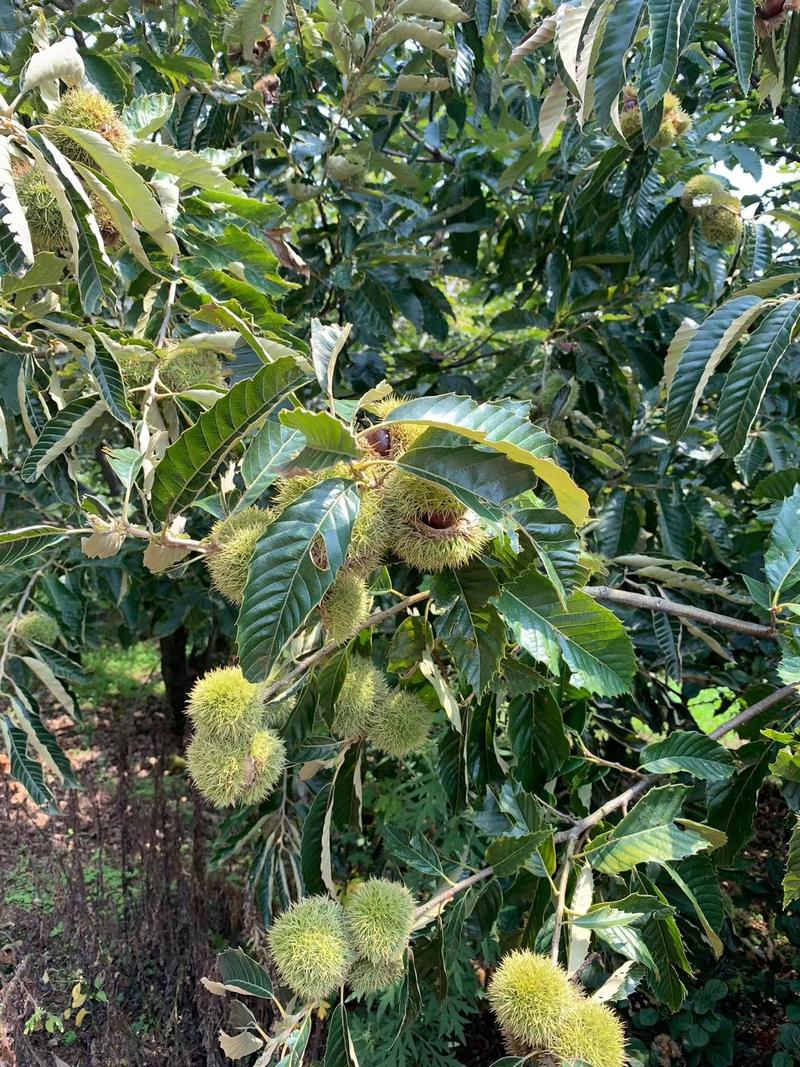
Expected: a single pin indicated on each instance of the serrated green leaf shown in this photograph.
(750, 374)
(480, 478)
(556, 544)
(468, 626)
(328, 441)
(191, 170)
(689, 890)
(311, 845)
(537, 737)
(285, 581)
(146, 114)
(271, 448)
(16, 251)
(128, 183)
(109, 377)
(648, 832)
(732, 802)
(592, 640)
(782, 557)
(61, 433)
(507, 854)
(791, 878)
(707, 345)
(61, 666)
(778, 485)
(27, 541)
(41, 668)
(267, 213)
(743, 35)
(694, 753)
(608, 71)
(625, 912)
(190, 463)
(44, 742)
(24, 769)
(413, 850)
(665, 24)
(339, 1050)
(241, 974)
(444, 10)
(327, 343)
(505, 428)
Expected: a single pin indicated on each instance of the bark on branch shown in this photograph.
(686, 611)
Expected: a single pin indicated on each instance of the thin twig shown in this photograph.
(446, 895)
(311, 661)
(168, 305)
(687, 611)
(16, 617)
(561, 899)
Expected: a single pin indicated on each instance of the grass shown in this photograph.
(121, 673)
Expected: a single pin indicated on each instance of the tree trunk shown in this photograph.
(176, 675)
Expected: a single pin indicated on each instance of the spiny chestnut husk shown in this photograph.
(630, 118)
(45, 221)
(367, 978)
(36, 626)
(233, 542)
(402, 724)
(432, 529)
(675, 123)
(701, 191)
(224, 705)
(346, 605)
(721, 222)
(590, 1032)
(530, 997)
(276, 715)
(363, 693)
(310, 948)
(430, 543)
(231, 772)
(379, 915)
(187, 368)
(87, 109)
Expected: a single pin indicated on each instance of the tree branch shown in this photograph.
(686, 611)
(435, 904)
(572, 835)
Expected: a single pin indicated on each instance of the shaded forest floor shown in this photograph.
(109, 916)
